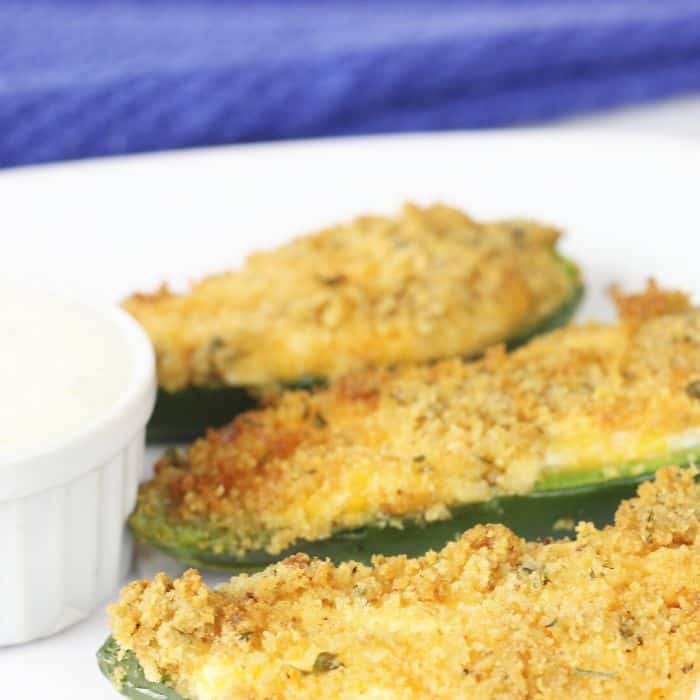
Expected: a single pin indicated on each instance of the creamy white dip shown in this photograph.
(62, 367)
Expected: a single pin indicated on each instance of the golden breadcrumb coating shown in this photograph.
(613, 614)
(418, 440)
(650, 302)
(429, 283)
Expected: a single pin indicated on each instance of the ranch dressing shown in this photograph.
(63, 366)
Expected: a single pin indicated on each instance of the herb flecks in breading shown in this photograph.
(429, 283)
(593, 401)
(489, 617)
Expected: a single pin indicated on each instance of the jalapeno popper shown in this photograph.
(398, 461)
(378, 291)
(613, 614)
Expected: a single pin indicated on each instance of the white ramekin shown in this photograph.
(63, 541)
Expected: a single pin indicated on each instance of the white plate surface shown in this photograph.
(629, 205)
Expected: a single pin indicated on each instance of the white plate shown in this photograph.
(629, 205)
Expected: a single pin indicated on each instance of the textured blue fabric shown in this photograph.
(92, 77)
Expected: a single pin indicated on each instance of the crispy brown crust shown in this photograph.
(649, 303)
(614, 614)
(416, 440)
(428, 283)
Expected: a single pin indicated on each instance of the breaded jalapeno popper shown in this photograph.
(401, 461)
(427, 284)
(613, 614)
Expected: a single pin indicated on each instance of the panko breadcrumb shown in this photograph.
(418, 440)
(429, 283)
(613, 614)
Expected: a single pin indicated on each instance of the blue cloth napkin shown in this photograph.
(83, 78)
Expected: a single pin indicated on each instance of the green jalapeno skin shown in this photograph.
(187, 414)
(123, 669)
(558, 502)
